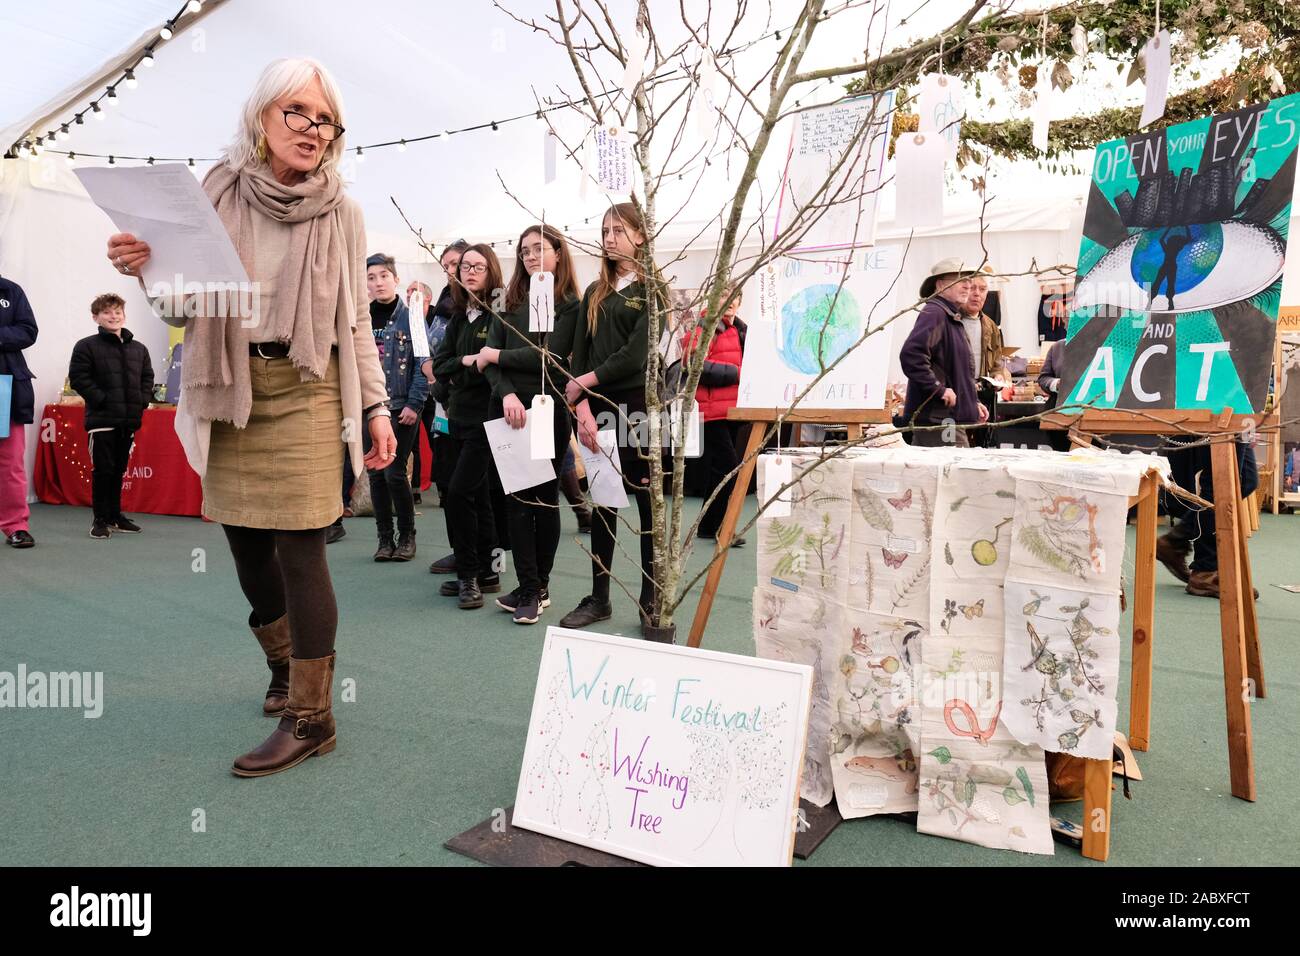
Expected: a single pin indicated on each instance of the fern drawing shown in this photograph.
(905, 589)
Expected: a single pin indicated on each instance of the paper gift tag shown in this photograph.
(704, 106)
(541, 427)
(767, 294)
(612, 161)
(440, 419)
(638, 45)
(1042, 113)
(549, 143)
(1157, 69)
(918, 180)
(942, 109)
(777, 471)
(541, 303)
(694, 429)
(419, 337)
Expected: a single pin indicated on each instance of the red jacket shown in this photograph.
(720, 377)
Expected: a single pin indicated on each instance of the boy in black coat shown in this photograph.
(113, 373)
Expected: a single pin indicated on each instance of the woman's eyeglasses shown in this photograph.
(301, 124)
(477, 269)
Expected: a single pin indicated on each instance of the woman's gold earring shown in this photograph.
(261, 149)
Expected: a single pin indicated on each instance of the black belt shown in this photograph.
(268, 350)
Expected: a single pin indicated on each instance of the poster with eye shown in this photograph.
(1181, 264)
(826, 335)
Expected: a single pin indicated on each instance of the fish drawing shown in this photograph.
(890, 768)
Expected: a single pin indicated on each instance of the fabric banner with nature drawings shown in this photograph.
(807, 550)
(800, 629)
(875, 732)
(892, 530)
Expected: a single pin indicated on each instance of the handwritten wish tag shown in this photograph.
(419, 338)
(541, 303)
(612, 160)
(942, 109)
(541, 428)
(604, 471)
(694, 428)
(767, 293)
(1157, 58)
(919, 180)
(777, 471)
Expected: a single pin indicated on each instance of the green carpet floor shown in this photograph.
(433, 743)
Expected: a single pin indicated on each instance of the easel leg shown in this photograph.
(726, 533)
(1096, 809)
(1236, 688)
(1254, 663)
(1144, 602)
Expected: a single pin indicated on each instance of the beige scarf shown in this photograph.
(312, 289)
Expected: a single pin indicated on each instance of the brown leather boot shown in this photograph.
(1172, 551)
(1204, 584)
(307, 726)
(274, 638)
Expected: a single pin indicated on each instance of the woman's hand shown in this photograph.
(516, 414)
(409, 416)
(469, 360)
(587, 429)
(383, 444)
(488, 356)
(127, 253)
(427, 368)
(577, 387)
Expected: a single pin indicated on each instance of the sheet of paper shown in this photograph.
(541, 428)
(165, 206)
(604, 474)
(419, 338)
(942, 109)
(918, 180)
(541, 303)
(1157, 70)
(512, 452)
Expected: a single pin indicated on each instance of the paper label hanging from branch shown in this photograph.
(1156, 55)
(541, 303)
(778, 470)
(694, 429)
(705, 105)
(918, 180)
(541, 428)
(638, 45)
(1042, 106)
(942, 109)
(767, 293)
(549, 150)
(419, 337)
(612, 159)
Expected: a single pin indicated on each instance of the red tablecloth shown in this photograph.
(158, 478)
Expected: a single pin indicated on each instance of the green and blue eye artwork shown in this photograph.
(1180, 264)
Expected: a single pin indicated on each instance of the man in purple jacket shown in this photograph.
(936, 359)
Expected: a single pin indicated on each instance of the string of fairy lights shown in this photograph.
(33, 147)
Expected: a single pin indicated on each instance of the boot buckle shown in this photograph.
(301, 728)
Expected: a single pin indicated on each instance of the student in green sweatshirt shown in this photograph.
(610, 346)
(513, 363)
(469, 497)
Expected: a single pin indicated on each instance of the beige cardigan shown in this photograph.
(361, 379)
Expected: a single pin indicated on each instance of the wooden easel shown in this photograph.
(759, 418)
(1243, 671)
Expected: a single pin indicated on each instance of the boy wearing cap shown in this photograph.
(936, 358)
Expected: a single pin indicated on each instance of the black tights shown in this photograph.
(283, 571)
(604, 530)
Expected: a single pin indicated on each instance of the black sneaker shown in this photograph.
(528, 611)
(124, 524)
(405, 549)
(100, 531)
(487, 584)
(444, 565)
(469, 597)
(510, 602)
(587, 613)
(415, 499)
(21, 539)
(335, 532)
(385, 550)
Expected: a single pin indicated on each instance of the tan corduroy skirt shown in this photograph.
(285, 469)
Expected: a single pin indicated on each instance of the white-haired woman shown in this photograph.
(270, 397)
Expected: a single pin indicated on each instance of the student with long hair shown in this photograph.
(513, 364)
(469, 499)
(610, 344)
(440, 443)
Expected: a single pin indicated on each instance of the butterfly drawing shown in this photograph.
(972, 611)
(901, 503)
(894, 559)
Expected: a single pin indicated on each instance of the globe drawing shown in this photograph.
(809, 321)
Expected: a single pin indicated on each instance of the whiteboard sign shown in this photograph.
(668, 755)
(830, 143)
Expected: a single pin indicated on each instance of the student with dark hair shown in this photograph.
(610, 344)
(513, 364)
(469, 495)
(440, 442)
(17, 332)
(389, 490)
(113, 373)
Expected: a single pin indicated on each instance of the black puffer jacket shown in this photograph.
(17, 332)
(114, 376)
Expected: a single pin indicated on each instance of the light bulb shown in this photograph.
(165, 33)
(112, 96)
(63, 132)
(361, 157)
(443, 136)
(71, 159)
(194, 6)
(97, 112)
(401, 147)
(495, 128)
(131, 81)
(148, 59)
